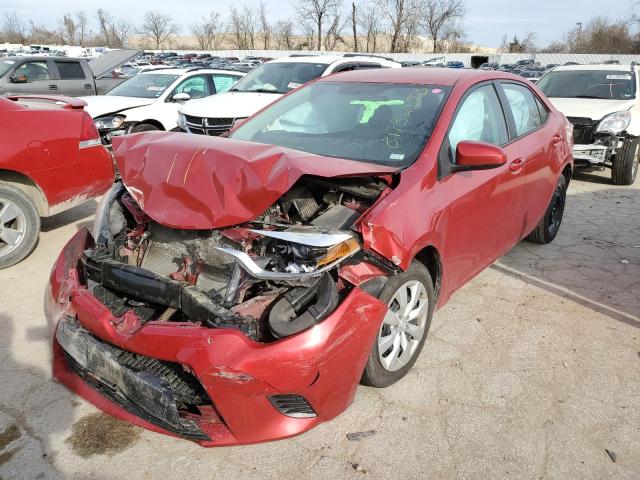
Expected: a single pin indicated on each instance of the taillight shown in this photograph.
(89, 136)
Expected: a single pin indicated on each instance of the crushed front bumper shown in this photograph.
(590, 155)
(254, 388)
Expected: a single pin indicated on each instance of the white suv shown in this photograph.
(150, 100)
(603, 105)
(264, 85)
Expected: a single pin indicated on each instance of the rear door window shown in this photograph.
(523, 107)
(70, 70)
(223, 82)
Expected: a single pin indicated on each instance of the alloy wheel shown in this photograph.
(403, 326)
(13, 225)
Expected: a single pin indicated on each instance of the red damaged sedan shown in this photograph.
(51, 160)
(237, 290)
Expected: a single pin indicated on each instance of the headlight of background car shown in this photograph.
(110, 123)
(615, 123)
(182, 121)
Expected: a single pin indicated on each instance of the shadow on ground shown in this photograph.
(595, 259)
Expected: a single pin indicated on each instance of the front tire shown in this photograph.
(19, 225)
(411, 300)
(549, 226)
(625, 164)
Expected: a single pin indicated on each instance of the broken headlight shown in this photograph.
(615, 123)
(301, 254)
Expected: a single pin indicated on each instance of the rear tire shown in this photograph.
(549, 226)
(144, 127)
(19, 225)
(387, 367)
(625, 163)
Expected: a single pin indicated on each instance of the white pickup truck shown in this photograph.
(602, 103)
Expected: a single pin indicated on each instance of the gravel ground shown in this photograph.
(531, 371)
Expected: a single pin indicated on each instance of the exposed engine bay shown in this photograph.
(272, 277)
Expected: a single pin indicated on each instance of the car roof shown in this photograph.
(183, 71)
(422, 76)
(616, 68)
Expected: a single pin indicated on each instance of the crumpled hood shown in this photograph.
(99, 105)
(229, 104)
(198, 182)
(592, 108)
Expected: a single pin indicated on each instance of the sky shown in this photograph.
(485, 24)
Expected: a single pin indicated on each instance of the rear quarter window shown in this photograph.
(70, 70)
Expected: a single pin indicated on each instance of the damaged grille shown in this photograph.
(154, 390)
(583, 130)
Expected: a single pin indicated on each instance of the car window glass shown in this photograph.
(479, 118)
(279, 77)
(544, 112)
(223, 82)
(70, 70)
(195, 87)
(524, 108)
(144, 85)
(372, 122)
(34, 71)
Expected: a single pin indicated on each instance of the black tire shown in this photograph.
(144, 127)
(625, 164)
(27, 222)
(549, 226)
(375, 374)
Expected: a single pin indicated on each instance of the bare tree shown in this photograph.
(354, 26)
(242, 27)
(82, 26)
(284, 35)
(114, 32)
(318, 12)
(41, 34)
(333, 35)
(206, 31)
(398, 13)
(265, 26)
(442, 20)
(68, 29)
(158, 28)
(13, 28)
(369, 21)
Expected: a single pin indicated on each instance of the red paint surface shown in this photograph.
(43, 144)
(189, 181)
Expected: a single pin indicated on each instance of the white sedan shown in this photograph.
(150, 100)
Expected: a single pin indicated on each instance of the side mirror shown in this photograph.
(18, 78)
(181, 97)
(471, 155)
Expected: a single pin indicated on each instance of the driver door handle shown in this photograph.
(557, 138)
(516, 165)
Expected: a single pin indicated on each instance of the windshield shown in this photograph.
(606, 84)
(279, 77)
(380, 123)
(144, 86)
(5, 66)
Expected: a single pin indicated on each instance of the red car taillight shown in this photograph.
(89, 136)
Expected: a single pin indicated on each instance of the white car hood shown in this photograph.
(99, 105)
(592, 108)
(229, 104)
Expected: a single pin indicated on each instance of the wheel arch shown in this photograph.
(430, 257)
(567, 172)
(29, 187)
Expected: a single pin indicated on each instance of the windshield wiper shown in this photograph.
(592, 96)
(265, 90)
